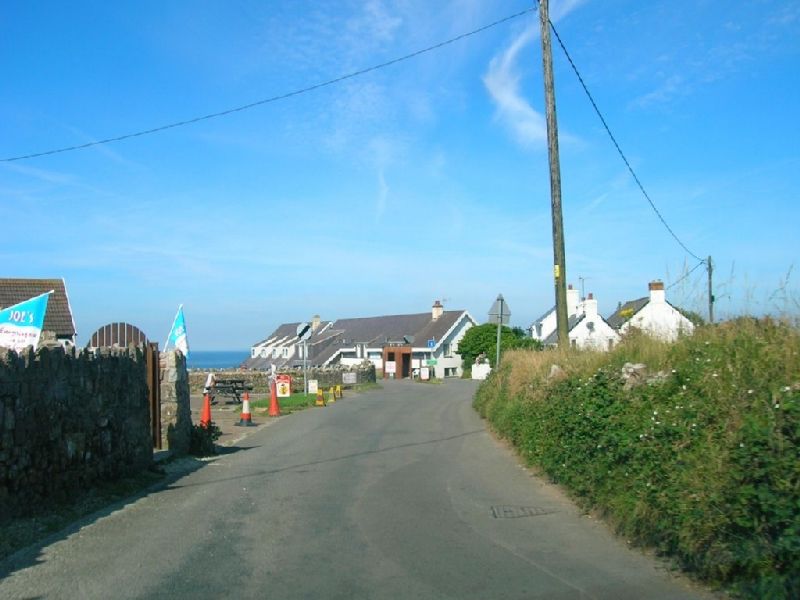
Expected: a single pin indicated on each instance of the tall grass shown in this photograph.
(700, 462)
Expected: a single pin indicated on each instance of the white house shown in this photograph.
(543, 327)
(653, 315)
(408, 342)
(587, 329)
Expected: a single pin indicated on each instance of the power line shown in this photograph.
(616, 145)
(273, 98)
(686, 275)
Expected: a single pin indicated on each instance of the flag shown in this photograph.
(177, 334)
(21, 324)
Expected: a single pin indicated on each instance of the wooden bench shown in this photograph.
(230, 388)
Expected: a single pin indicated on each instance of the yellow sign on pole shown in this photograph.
(557, 271)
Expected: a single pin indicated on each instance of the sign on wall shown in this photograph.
(283, 384)
(21, 324)
(349, 378)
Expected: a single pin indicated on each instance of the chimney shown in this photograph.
(437, 310)
(590, 306)
(315, 323)
(657, 294)
(572, 301)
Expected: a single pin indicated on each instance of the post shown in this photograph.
(559, 258)
(305, 366)
(499, 327)
(710, 293)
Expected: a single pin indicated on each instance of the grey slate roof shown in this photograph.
(58, 317)
(626, 312)
(552, 339)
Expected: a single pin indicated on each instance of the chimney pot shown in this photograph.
(437, 310)
(656, 285)
(591, 296)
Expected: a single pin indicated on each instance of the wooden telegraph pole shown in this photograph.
(710, 293)
(559, 258)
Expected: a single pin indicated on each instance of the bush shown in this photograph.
(203, 438)
(699, 461)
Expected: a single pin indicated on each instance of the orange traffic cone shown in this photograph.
(246, 420)
(320, 398)
(274, 407)
(205, 414)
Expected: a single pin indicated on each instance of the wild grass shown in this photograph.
(699, 461)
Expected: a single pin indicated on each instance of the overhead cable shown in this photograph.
(616, 145)
(271, 99)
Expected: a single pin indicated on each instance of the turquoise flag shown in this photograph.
(21, 324)
(177, 334)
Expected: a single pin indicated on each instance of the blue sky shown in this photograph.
(424, 180)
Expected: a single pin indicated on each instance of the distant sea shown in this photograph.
(216, 359)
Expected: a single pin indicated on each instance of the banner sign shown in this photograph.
(177, 334)
(21, 324)
(283, 386)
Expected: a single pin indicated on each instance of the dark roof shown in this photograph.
(626, 311)
(552, 339)
(58, 317)
(373, 331)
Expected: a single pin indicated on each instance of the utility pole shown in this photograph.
(499, 328)
(710, 293)
(559, 259)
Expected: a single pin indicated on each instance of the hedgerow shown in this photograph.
(699, 460)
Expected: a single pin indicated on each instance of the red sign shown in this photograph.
(283, 385)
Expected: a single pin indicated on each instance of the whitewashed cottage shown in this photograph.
(653, 315)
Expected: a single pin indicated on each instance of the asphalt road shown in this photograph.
(399, 493)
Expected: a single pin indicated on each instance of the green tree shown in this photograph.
(483, 338)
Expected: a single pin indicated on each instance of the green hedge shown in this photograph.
(702, 462)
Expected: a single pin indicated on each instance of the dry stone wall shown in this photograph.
(326, 377)
(68, 420)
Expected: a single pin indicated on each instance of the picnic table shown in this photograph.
(230, 388)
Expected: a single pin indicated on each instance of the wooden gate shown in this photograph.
(153, 362)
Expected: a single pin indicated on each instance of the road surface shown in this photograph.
(396, 493)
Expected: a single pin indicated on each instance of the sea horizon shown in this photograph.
(216, 359)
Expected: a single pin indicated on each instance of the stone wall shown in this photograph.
(68, 420)
(326, 377)
(176, 413)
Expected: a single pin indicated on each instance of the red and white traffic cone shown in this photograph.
(246, 420)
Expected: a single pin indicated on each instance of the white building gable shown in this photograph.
(656, 316)
(543, 327)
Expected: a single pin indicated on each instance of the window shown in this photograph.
(274, 353)
(447, 350)
(285, 353)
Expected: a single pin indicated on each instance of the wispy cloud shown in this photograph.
(502, 80)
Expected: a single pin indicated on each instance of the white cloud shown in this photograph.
(502, 80)
(513, 110)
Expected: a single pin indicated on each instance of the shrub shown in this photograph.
(699, 462)
(203, 438)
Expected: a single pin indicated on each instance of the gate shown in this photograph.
(153, 362)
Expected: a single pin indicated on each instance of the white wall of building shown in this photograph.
(659, 318)
(592, 332)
